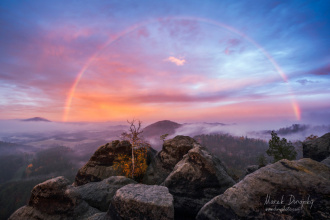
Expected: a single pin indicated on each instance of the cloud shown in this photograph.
(305, 81)
(325, 70)
(178, 62)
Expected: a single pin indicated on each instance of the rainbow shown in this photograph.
(295, 105)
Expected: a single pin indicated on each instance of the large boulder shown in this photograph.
(54, 199)
(138, 201)
(283, 190)
(165, 160)
(195, 180)
(100, 165)
(99, 194)
(317, 149)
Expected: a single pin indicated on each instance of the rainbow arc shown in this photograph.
(68, 103)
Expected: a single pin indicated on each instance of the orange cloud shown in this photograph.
(178, 62)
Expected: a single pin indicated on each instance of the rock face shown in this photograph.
(195, 180)
(99, 194)
(99, 166)
(317, 149)
(138, 201)
(283, 190)
(165, 160)
(54, 199)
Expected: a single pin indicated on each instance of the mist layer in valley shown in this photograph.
(34, 150)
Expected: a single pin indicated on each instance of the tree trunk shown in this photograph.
(133, 162)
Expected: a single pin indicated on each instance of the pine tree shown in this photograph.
(280, 148)
(262, 161)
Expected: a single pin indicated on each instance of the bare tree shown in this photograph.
(134, 136)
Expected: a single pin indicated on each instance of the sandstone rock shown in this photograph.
(326, 161)
(99, 194)
(54, 199)
(138, 201)
(317, 149)
(195, 180)
(251, 169)
(151, 153)
(288, 183)
(30, 213)
(99, 216)
(165, 160)
(99, 166)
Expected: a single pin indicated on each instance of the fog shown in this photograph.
(45, 134)
(292, 132)
(19, 126)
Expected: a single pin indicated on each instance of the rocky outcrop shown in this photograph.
(138, 201)
(326, 161)
(317, 149)
(165, 160)
(99, 166)
(99, 216)
(54, 199)
(251, 169)
(99, 194)
(283, 190)
(195, 180)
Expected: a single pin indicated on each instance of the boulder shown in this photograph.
(54, 199)
(99, 166)
(138, 201)
(99, 216)
(195, 180)
(317, 149)
(165, 160)
(99, 194)
(283, 190)
(326, 161)
(251, 169)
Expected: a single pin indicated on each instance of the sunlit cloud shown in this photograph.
(138, 75)
(178, 62)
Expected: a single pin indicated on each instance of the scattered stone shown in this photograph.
(138, 201)
(317, 149)
(283, 190)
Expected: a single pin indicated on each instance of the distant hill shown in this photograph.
(161, 127)
(153, 132)
(36, 119)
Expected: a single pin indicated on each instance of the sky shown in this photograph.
(186, 61)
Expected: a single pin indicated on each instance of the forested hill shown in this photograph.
(235, 152)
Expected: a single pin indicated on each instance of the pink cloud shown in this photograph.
(178, 62)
